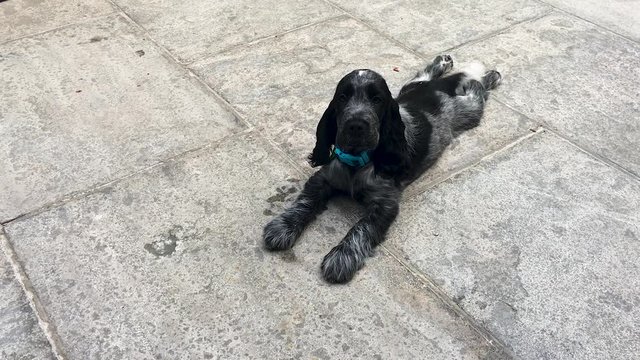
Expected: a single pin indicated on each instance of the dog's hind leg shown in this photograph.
(491, 79)
(470, 101)
(441, 65)
(469, 105)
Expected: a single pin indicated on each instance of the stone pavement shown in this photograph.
(146, 143)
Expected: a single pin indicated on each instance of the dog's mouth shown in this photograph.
(356, 146)
(355, 149)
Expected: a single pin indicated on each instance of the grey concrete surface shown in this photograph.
(430, 27)
(540, 244)
(83, 105)
(500, 126)
(144, 144)
(621, 16)
(20, 335)
(27, 17)
(574, 77)
(169, 263)
(192, 31)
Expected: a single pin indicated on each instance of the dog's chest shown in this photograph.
(349, 180)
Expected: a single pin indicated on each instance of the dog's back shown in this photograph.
(436, 107)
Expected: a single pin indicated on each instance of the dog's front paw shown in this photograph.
(340, 264)
(278, 235)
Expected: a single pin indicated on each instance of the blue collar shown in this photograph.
(357, 161)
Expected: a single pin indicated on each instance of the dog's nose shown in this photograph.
(357, 127)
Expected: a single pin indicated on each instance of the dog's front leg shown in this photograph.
(342, 262)
(283, 231)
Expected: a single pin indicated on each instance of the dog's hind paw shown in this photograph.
(441, 65)
(444, 61)
(491, 79)
(340, 264)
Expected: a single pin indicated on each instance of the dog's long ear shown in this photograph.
(391, 157)
(325, 137)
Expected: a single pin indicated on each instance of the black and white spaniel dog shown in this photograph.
(371, 146)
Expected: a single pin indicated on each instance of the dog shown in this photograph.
(370, 145)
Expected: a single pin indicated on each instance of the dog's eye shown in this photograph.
(342, 98)
(376, 99)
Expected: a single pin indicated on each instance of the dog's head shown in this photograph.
(363, 116)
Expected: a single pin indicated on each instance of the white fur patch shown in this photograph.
(362, 72)
(474, 70)
(409, 131)
(424, 76)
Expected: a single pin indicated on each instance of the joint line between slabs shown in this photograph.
(217, 95)
(374, 29)
(47, 327)
(569, 13)
(203, 59)
(422, 189)
(76, 195)
(543, 124)
(448, 301)
(64, 26)
(192, 74)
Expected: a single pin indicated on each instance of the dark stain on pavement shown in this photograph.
(282, 193)
(97, 39)
(167, 243)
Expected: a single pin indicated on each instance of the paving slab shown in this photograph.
(577, 78)
(429, 26)
(26, 17)
(88, 103)
(169, 263)
(499, 127)
(283, 86)
(539, 244)
(20, 334)
(193, 30)
(622, 16)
